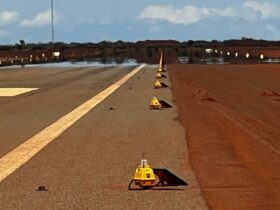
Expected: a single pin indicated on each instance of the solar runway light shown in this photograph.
(146, 177)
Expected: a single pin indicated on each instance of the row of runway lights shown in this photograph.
(155, 103)
(146, 177)
(31, 58)
(228, 53)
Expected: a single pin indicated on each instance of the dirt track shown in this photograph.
(90, 165)
(231, 114)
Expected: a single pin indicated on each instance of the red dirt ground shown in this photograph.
(231, 114)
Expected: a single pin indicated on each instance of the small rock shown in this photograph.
(42, 188)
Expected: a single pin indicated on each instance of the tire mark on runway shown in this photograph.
(23, 153)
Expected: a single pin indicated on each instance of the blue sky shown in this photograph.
(131, 20)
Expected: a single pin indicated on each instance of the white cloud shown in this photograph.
(40, 20)
(8, 17)
(249, 11)
(225, 12)
(187, 15)
(266, 10)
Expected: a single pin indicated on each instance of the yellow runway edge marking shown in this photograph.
(20, 155)
(9, 92)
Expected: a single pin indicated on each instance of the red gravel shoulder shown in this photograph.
(231, 115)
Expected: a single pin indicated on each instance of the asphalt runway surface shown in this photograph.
(231, 115)
(90, 165)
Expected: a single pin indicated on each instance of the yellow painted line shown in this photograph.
(9, 92)
(20, 155)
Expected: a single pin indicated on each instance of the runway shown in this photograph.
(24, 152)
(90, 165)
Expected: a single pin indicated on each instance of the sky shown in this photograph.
(133, 20)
